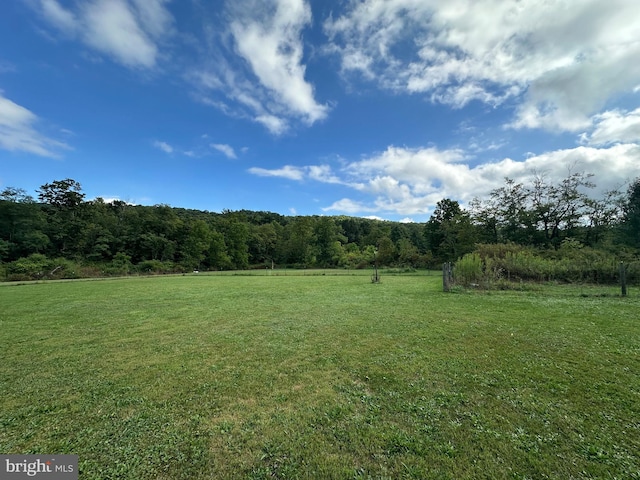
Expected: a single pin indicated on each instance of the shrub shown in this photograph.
(120, 265)
(158, 267)
(469, 270)
(37, 266)
(32, 267)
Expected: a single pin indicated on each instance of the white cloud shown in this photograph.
(128, 31)
(419, 189)
(614, 126)
(319, 173)
(322, 173)
(227, 150)
(112, 28)
(288, 171)
(18, 131)
(274, 124)
(243, 99)
(154, 17)
(164, 146)
(258, 65)
(58, 16)
(560, 61)
(348, 206)
(270, 40)
(112, 199)
(407, 181)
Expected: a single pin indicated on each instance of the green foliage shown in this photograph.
(542, 213)
(631, 220)
(328, 242)
(540, 220)
(39, 267)
(408, 253)
(236, 236)
(386, 251)
(4, 249)
(154, 267)
(62, 194)
(450, 233)
(120, 265)
(576, 263)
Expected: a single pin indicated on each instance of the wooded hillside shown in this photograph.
(93, 237)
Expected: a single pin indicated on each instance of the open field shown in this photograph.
(219, 376)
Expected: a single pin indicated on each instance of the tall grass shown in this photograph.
(497, 264)
(469, 270)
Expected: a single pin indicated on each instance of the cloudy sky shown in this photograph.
(376, 108)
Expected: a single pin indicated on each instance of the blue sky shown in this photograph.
(373, 108)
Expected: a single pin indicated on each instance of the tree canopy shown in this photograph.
(117, 235)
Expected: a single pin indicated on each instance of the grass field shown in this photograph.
(261, 377)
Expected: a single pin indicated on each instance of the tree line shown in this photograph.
(60, 230)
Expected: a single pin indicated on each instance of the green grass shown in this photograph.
(198, 377)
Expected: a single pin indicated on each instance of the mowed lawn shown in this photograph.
(200, 377)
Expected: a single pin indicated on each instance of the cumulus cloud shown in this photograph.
(226, 150)
(129, 31)
(19, 132)
(349, 206)
(258, 65)
(406, 181)
(560, 62)
(614, 126)
(322, 173)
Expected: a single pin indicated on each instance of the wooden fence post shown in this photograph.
(447, 276)
(623, 279)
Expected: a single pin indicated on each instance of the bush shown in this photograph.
(152, 267)
(37, 266)
(120, 265)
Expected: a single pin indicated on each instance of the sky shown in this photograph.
(370, 108)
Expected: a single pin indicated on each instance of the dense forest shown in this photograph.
(60, 234)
